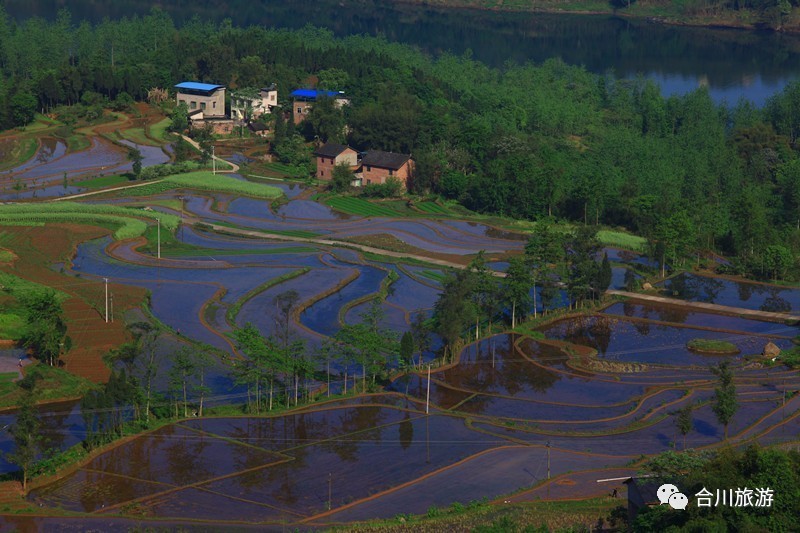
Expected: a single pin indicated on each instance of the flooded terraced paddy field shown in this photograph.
(600, 390)
(733, 293)
(643, 342)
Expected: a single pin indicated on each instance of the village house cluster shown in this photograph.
(206, 105)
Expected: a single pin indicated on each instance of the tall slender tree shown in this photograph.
(725, 403)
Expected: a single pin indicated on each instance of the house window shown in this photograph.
(321, 173)
(369, 169)
(214, 105)
(299, 109)
(193, 104)
(203, 106)
(391, 172)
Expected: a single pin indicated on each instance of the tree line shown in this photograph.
(525, 141)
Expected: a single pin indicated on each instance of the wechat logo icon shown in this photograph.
(670, 494)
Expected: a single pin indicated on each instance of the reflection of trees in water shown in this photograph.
(776, 304)
(674, 314)
(498, 367)
(55, 426)
(592, 331)
(406, 432)
(695, 288)
(185, 461)
(599, 42)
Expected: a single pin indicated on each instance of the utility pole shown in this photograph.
(158, 238)
(106, 281)
(548, 459)
(213, 161)
(330, 491)
(112, 307)
(428, 394)
(181, 199)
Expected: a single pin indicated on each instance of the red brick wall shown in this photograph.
(300, 110)
(325, 165)
(373, 175)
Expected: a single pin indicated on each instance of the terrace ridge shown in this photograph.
(769, 315)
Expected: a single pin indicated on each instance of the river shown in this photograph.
(733, 64)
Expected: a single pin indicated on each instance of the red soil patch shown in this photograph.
(38, 248)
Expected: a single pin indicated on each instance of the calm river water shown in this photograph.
(733, 64)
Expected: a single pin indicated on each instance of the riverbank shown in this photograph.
(667, 13)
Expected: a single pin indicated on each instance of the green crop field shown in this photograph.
(622, 240)
(357, 206)
(205, 181)
(19, 287)
(433, 208)
(126, 221)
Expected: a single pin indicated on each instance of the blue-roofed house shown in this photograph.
(204, 100)
(303, 100)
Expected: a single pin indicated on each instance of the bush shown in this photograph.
(392, 188)
(712, 346)
(162, 171)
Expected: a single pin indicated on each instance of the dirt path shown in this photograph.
(234, 166)
(769, 315)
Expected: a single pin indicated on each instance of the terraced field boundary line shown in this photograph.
(692, 326)
(313, 518)
(767, 315)
(103, 191)
(338, 244)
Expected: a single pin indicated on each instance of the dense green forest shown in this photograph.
(526, 141)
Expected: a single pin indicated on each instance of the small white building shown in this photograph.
(258, 104)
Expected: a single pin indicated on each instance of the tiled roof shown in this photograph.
(331, 150)
(390, 160)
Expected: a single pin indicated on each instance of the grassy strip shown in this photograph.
(304, 234)
(358, 206)
(137, 136)
(435, 275)
(23, 150)
(12, 325)
(21, 287)
(205, 181)
(233, 311)
(622, 240)
(380, 258)
(101, 181)
(126, 220)
(52, 383)
(432, 207)
(534, 516)
(712, 346)
(158, 131)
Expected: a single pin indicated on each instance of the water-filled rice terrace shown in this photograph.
(591, 398)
